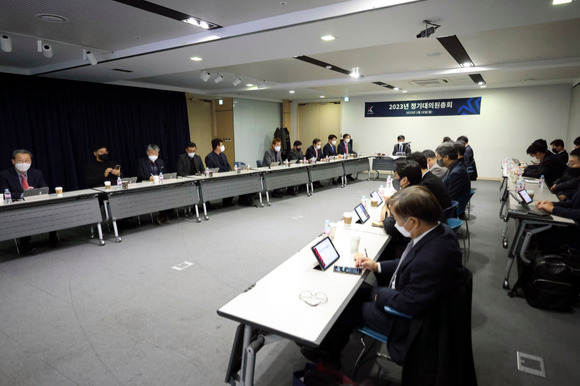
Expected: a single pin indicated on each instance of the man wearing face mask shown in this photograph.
(434, 166)
(314, 150)
(296, 152)
(20, 178)
(150, 166)
(456, 179)
(329, 149)
(101, 169)
(217, 158)
(345, 148)
(550, 166)
(273, 154)
(559, 150)
(189, 164)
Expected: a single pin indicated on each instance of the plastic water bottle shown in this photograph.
(207, 172)
(119, 183)
(542, 182)
(326, 228)
(160, 177)
(381, 190)
(235, 167)
(7, 196)
(364, 201)
(389, 183)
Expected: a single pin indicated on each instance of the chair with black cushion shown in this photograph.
(259, 163)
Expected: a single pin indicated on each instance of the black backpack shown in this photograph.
(548, 282)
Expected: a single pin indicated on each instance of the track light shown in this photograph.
(205, 75)
(6, 43)
(218, 78)
(46, 49)
(237, 81)
(88, 55)
(261, 85)
(428, 31)
(354, 73)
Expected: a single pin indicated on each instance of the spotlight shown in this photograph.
(428, 31)
(237, 81)
(88, 55)
(261, 85)
(6, 43)
(218, 78)
(205, 75)
(46, 49)
(354, 73)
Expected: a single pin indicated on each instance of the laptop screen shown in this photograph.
(35, 192)
(376, 196)
(362, 213)
(325, 253)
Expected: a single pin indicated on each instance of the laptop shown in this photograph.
(325, 253)
(130, 180)
(214, 170)
(524, 199)
(274, 164)
(292, 162)
(377, 197)
(362, 214)
(30, 193)
(169, 176)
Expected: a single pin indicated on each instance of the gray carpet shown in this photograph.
(119, 315)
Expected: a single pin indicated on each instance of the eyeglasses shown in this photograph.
(311, 299)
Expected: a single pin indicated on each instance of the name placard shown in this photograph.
(424, 108)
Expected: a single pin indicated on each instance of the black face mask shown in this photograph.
(298, 149)
(555, 151)
(104, 157)
(440, 163)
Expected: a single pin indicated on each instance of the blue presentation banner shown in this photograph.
(424, 108)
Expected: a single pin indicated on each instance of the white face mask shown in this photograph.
(347, 140)
(222, 148)
(317, 147)
(402, 229)
(23, 167)
(153, 158)
(333, 143)
(191, 155)
(277, 148)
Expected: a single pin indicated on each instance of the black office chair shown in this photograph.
(259, 163)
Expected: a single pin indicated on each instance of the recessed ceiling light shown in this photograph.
(396, 89)
(322, 96)
(404, 91)
(250, 85)
(291, 91)
(50, 18)
(327, 38)
(556, 2)
(196, 58)
(346, 99)
(483, 86)
(468, 64)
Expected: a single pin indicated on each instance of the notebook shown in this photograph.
(325, 253)
(524, 199)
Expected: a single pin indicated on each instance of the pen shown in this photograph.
(366, 254)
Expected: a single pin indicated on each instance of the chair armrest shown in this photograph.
(392, 311)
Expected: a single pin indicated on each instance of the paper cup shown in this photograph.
(155, 179)
(58, 190)
(347, 217)
(108, 185)
(354, 243)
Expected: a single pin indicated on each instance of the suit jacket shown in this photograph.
(212, 160)
(436, 186)
(438, 171)
(569, 208)
(551, 168)
(470, 163)
(184, 165)
(341, 149)
(269, 157)
(9, 179)
(329, 150)
(295, 155)
(456, 180)
(431, 267)
(406, 148)
(311, 153)
(563, 155)
(144, 168)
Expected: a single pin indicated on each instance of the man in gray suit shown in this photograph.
(189, 163)
(274, 154)
(401, 146)
(434, 166)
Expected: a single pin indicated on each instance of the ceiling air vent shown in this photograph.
(429, 82)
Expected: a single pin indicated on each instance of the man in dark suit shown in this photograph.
(274, 153)
(402, 146)
(430, 266)
(314, 150)
(456, 179)
(189, 164)
(217, 158)
(150, 166)
(559, 150)
(296, 152)
(550, 166)
(468, 158)
(430, 181)
(329, 149)
(20, 178)
(345, 147)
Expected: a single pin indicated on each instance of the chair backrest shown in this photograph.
(451, 211)
(259, 163)
(463, 200)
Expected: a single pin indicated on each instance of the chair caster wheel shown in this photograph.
(506, 285)
(504, 244)
(101, 243)
(118, 240)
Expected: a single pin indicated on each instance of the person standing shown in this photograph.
(469, 158)
(401, 147)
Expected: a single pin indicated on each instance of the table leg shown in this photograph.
(197, 213)
(343, 181)
(205, 211)
(101, 240)
(267, 198)
(117, 238)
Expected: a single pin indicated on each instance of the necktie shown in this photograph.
(25, 185)
(275, 156)
(405, 253)
(401, 148)
(316, 152)
(346, 146)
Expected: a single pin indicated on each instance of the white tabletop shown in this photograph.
(144, 185)
(53, 197)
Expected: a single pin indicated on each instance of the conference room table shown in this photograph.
(51, 212)
(383, 162)
(524, 226)
(281, 176)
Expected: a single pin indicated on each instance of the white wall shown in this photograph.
(510, 120)
(574, 121)
(254, 126)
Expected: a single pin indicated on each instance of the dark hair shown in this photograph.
(190, 144)
(575, 152)
(410, 169)
(557, 142)
(215, 143)
(538, 146)
(345, 135)
(447, 149)
(22, 151)
(297, 143)
(460, 147)
(315, 141)
(416, 201)
(331, 136)
(276, 140)
(446, 139)
(577, 141)
(429, 153)
(401, 137)
(420, 158)
(99, 146)
(463, 139)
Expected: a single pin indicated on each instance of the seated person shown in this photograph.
(577, 143)
(19, 178)
(189, 164)
(456, 179)
(345, 147)
(101, 169)
(273, 154)
(559, 150)
(217, 158)
(314, 150)
(551, 240)
(436, 167)
(469, 160)
(460, 147)
(330, 148)
(431, 182)
(150, 166)
(401, 146)
(296, 152)
(565, 186)
(550, 166)
(430, 266)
